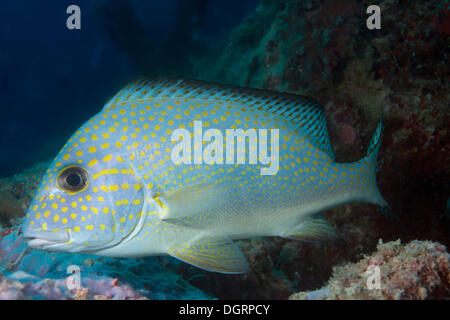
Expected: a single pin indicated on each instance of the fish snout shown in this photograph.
(45, 239)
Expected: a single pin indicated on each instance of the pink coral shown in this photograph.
(57, 289)
(417, 270)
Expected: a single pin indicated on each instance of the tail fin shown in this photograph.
(368, 165)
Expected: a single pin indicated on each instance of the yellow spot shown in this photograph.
(73, 216)
(107, 158)
(89, 227)
(64, 220)
(103, 172)
(92, 149)
(92, 163)
(102, 227)
(76, 229)
(56, 218)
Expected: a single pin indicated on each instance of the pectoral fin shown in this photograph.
(192, 200)
(215, 253)
(315, 229)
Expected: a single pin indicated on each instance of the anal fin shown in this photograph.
(215, 253)
(315, 229)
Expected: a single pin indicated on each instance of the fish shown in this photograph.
(184, 167)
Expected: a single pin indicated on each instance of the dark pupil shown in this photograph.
(74, 180)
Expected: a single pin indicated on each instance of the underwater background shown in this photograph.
(53, 79)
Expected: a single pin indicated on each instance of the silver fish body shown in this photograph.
(118, 187)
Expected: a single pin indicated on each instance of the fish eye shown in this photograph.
(73, 179)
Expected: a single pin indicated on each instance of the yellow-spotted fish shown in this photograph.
(154, 173)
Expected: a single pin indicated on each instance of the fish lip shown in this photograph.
(46, 239)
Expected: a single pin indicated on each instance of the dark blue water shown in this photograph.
(52, 79)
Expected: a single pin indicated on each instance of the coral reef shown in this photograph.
(57, 290)
(17, 192)
(418, 270)
(33, 274)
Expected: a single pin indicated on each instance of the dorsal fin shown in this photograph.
(307, 112)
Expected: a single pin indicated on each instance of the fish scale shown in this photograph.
(130, 198)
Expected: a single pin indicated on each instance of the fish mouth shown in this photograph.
(46, 239)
